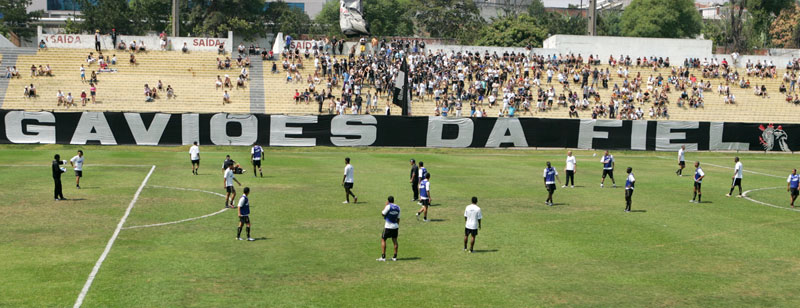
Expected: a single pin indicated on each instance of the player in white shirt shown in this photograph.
(630, 182)
(77, 163)
(736, 179)
(681, 161)
(570, 169)
(472, 219)
(347, 182)
(228, 180)
(699, 175)
(194, 156)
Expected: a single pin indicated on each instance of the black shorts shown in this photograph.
(468, 231)
(425, 202)
(551, 187)
(230, 189)
(389, 233)
(737, 182)
(348, 185)
(794, 192)
(682, 164)
(257, 163)
(697, 185)
(195, 161)
(244, 219)
(79, 173)
(609, 172)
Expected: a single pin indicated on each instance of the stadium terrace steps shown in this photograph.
(193, 76)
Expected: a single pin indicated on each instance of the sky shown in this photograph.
(565, 3)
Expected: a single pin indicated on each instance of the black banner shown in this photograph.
(117, 128)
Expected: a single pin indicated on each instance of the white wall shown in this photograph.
(84, 41)
(605, 46)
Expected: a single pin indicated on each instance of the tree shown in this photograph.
(280, 17)
(784, 28)
(608, 23)
(457, 19)
(536, 9)
(389, 17)
(555, 22)
(16, 18)
(152, 15)
(657, 18)
(216, 17)
(106, 15)
(512, 31)
(327, 20)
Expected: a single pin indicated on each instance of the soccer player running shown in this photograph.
(194, 156)
(77, 163)
(256, 153)
(630, 182)
(228, 179)
(414, 180)
(347, 182)
(608, 169)
(57, 171)
(244, 214)
(472, 218)
(425, 196)
(550, 177)
(681, 161)
(699, 175)
(792, 185)
(391, 217)
(570, 169)
(736, 179)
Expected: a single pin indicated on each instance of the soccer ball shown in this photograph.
(594, 154)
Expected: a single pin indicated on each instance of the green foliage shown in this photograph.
(512, 31)
(536, 9)
(457, 19)
(657, 18)
(608, 23)
(715, 30)
(327, 20)
(280, 17)
(556, 23)
(106, 15)
(388, 17)
(152, 15)
(216, 18)
(16, 18)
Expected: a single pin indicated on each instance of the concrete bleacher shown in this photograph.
(193, 75)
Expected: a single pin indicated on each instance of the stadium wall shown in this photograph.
(118, 128)
(83, 41)
(605, 46)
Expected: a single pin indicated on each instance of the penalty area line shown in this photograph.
(96, 268)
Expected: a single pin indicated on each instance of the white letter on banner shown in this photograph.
(367, 134)
(436, 128)
(278, 131)
(93, 121)
(498, 135)
(715, 139)
(190, 128)
(664, 135)
(587, 134)
(219, 131)
(141, 134)
(43, 133)
(639, 135)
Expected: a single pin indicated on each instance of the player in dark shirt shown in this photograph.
(57, 171)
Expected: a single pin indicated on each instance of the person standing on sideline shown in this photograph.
(256, 153)
(194, 156)
(608, 168)
(629, 185)
(792, 185)
(97, 40)
(472, 218)
(244, 214)
(681, 161)
(113, 38)
(228, 178)
(347, 182)
(414, 180)
(736, 178)
(391, 217)
(57, 171)
(699, 175)
(550, 176)
(425, 196)
(77, 163)
(570, 169)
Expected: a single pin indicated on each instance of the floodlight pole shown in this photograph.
(592, 15)
(175, 19)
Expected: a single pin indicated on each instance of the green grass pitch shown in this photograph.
(315, 251)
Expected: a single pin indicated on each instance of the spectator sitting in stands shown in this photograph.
(93, 78)
(274, 67)
(240, 48)
(170, 92)
(296, 96)
(220, 64)
(141, 46)
(69, 100)
(83, 98)
(227, 83)
(244, 73)
(218, 83)
(782, 89)
(184, 49)
(27, 93)
(132, 46)
(247, 62)
(288, 77)
(226, 98)
(227, 63)
(60, 98)
(8, 72)
(121, 45)
(252, 49)
(113, 59)
(42, 45)
(90, 58)
(133, 59)
(221, 49)
(34, 72)
(239, 60)
(240, 82)
(163, 43)
(160, 86)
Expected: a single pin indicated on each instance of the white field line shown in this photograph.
(764, 203)
(182, 220)
(87, 166)
(731, 168)
(113, 238)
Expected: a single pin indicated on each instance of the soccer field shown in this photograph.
(313, 251)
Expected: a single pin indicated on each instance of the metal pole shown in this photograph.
(175, 19)
(592, 14)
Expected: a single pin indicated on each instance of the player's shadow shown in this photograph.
(435, 204)
(557, 204)
(705, 202)
(484, 250)
(408, 259)
(638, 211)
(90, 187)
(260, 238)
(68, 199)
(362, 202)
(437, 220)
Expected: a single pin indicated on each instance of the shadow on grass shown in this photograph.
(68, 200)
(260, 238)
(437, 220)
(484, 250)
(557, 204)
(638, 211)
(409, 259)
(90, 187)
